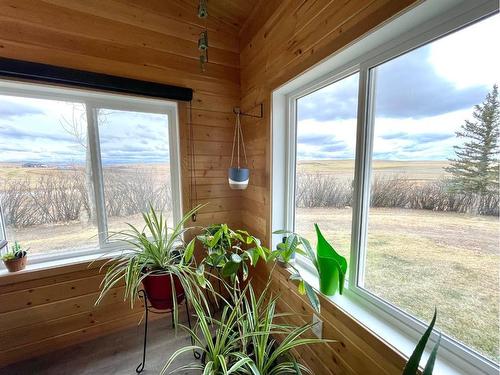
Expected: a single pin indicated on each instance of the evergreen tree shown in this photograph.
(475, 169)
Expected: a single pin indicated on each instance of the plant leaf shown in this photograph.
(429, 367)
(411, 367)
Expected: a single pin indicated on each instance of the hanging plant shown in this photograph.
(238, 177)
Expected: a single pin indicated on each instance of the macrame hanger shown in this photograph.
(238, 134)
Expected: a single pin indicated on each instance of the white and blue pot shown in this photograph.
(238, 178)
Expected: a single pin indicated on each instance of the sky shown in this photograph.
(54, 133)
(421, 99)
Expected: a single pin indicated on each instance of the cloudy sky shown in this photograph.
(54, 133)
(421, 99)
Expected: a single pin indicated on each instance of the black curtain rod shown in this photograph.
(83, 79)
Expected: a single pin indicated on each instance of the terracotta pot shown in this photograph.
(159, 290)
(17, 264)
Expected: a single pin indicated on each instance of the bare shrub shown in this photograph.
(52, 198)
(16, 203)
(389, 192)
(62, 197)
(320, 190)
(130, 192)
(57, 197)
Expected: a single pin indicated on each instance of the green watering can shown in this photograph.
(332, 266)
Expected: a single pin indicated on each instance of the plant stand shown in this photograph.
(147, 309)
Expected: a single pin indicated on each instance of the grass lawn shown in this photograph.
(419, 259)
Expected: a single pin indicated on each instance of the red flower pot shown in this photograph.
(159, 290)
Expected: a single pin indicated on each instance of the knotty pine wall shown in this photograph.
(152, 40)
(281, 39)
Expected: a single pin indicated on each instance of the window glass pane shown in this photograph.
(45, 186)
(326, 143)
(433, 234)
(136, 166)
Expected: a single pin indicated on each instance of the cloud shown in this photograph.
(9, 109)
(418, 137)
(340, 146)
(17, 133)
(409, 87)
(334, 102)
(406, 87)
(315, 139)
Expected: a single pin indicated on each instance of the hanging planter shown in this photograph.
(238, 176)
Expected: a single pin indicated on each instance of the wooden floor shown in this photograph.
(116, 354)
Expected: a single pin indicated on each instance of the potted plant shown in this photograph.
(243, 340)
(330, 266)
(229, 251)
(158, 259)
(15, 258)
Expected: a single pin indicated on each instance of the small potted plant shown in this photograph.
(15, 258)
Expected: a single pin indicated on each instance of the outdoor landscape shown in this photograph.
(416, 258)
(47, 209)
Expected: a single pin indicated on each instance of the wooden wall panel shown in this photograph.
(294, 36)
(152, 40)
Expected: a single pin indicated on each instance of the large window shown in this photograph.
(396, 157)
(433, 230)
(76, 166)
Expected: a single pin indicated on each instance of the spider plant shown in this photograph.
(245, 339)
(218, 341)
(155, 249)
(269, 355)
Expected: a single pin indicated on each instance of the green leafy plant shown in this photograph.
(296, 244)
(230, 251)
(246, 339)
(15, 252)
(411, 367)
(152, 250)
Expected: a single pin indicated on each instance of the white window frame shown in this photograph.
(94, 101)
(419, 26)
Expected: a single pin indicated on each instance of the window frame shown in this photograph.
(93, 101)
(441, 23)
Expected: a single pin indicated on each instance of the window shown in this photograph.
(136, 175)
(392, 147)
(75, 166)
(326, 146)
(427, 243)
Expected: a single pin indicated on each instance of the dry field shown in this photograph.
(418, 259)
(415, 170)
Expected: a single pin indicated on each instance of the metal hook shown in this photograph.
(237, 111)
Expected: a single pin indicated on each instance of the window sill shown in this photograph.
(388, 328)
